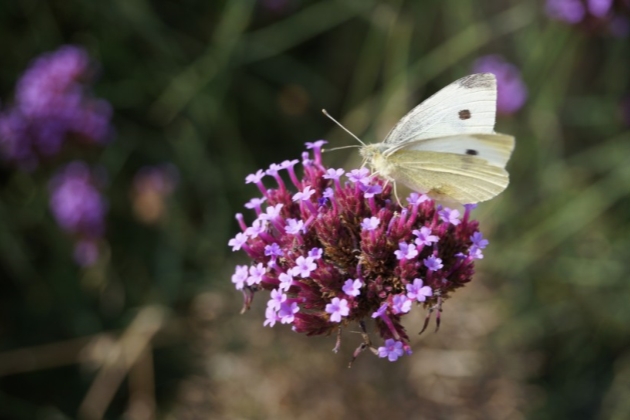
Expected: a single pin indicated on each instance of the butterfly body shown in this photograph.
(446, 147)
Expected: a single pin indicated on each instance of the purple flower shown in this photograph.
(255, 203)
(450, 216)
(255, 177)
(52, 103)
(76, 202)
(599, 8)
(258, 226)
(277, 299)
(360, 176)
(271, 317)
(570, 11)
(289, 163)
(79, 208)
(238, 241)
(475, 253)
(416, 291)
(316, 253)
(325, 264)
(273, 250)
(370, 223)
(392, 350)
(304, 195)
(380, 311)
(416, 199)
(294, 226)
(333, 174)
(406, 251)
(273, 170)
(287, 312)
(337, 308)
(370, 191)
(256, 274)
(478, 240)
(316, 144)
(239, 278)
(303, 267)
(272, 212)
(286, 280)
(433, 263)
(424, 236)
(401, 304)
(511, 91)
(351, 287)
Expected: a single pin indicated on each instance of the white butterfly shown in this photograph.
(446, 147)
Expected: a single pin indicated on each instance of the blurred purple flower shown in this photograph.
(593, 15)
(79, 208)
(51, 104)
(511, 90)
(570, 11)
(350, 258)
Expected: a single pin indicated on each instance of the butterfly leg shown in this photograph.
(396, 195)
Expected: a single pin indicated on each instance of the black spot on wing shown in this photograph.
(464, 114)
(484, 80)
(472, 152)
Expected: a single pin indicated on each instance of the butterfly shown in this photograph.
(446, 147)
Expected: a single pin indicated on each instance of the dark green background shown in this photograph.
(223, 88)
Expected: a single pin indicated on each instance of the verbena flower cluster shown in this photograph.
(335, 249)
(52, 104)
(511, 90)
(79, 208)
(612, 16)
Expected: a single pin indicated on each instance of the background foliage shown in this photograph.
(222, 88)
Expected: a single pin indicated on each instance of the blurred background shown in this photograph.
(125, 147)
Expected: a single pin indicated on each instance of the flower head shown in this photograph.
(350, 256)
(52, 105)
(79, 208)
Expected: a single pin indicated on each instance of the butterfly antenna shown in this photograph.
(339, 148)
(344, 128)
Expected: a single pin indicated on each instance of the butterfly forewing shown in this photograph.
(466, 106)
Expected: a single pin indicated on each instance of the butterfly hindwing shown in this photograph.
(495, 149)
(464, 179)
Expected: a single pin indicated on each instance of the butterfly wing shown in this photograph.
(466, 106)
(464, 178)
(496, 148)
